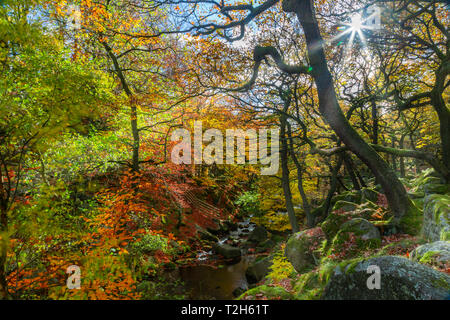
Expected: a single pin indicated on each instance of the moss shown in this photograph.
(345, 206)
(270, 292)
(332, 224)
(411, 222)
(310, 286)
(369, 195)
(442, 283)
(349, 242)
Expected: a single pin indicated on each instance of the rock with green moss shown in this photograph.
(400, 279)
(362, 228)
(258, 269)
(436, 188)
(434, 254)
(265, 291)
(368, 194)
(353, 237)
(345, 206)
(302, 248)
(339, 216)
(348, 196)
(436, 217)
(333, 223)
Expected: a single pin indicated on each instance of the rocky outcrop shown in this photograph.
(436, 217)
(434, 254)
(301, 248)
(400, 279)
(344, 211)
(353, 237)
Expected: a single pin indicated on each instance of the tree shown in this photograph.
(42, 94)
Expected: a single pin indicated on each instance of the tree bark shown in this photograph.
(301, 190)
(285, 176)
(133, 111)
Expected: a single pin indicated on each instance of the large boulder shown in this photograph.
(353, 237)
(363, 228)
(436, 217)
(258, 269)
(301, 248)
(434, 254)
(227, 251)
(400, 279)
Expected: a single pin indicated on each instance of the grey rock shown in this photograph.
(363, 228)
(300, 248)
(438, 251)
(400, 279)
(436, 217)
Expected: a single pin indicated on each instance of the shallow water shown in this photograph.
(206, 282)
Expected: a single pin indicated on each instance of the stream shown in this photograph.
(207, 282)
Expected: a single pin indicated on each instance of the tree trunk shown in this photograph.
(3, 243)
(305, 202)
(136, 140)
(394, 157)
(375, 122)
(444, 121)
(329, 108)
(133, 113)
(285, 176)
(351, 172)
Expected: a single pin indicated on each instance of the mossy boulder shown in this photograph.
(436, 217)
(348, 196)
(436, 254)
(345, 206)
(436, 188)
(302, 248)
(400, 279)
(258, 269)
(266, 292)
(355, 236)
(412, 221)
(333, 223)
(367, 210)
